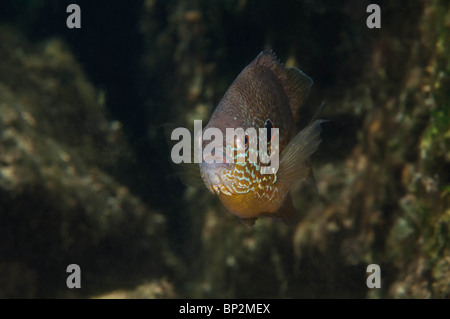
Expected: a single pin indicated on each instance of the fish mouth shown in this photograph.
(214, 177)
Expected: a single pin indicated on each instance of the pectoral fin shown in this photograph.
(188, 173)
(294, 163)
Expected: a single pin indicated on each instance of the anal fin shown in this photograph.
(249, 222)
(286, 213)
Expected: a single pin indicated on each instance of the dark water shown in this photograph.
(85, 170)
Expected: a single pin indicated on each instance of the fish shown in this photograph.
(266, 94)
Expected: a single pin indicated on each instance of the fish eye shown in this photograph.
(246, 141)
(268, 125)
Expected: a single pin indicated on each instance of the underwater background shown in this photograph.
(85, 170)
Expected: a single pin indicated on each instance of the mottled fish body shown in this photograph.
(264, 95)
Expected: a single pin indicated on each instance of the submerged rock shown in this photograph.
(58, 203)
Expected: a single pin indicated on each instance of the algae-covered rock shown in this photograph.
(58, 204)
(160, 289)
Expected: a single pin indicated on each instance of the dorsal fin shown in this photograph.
(295, 83)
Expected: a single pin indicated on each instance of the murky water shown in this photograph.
(88, 95)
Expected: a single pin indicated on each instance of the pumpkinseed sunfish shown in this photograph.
(264, 95)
